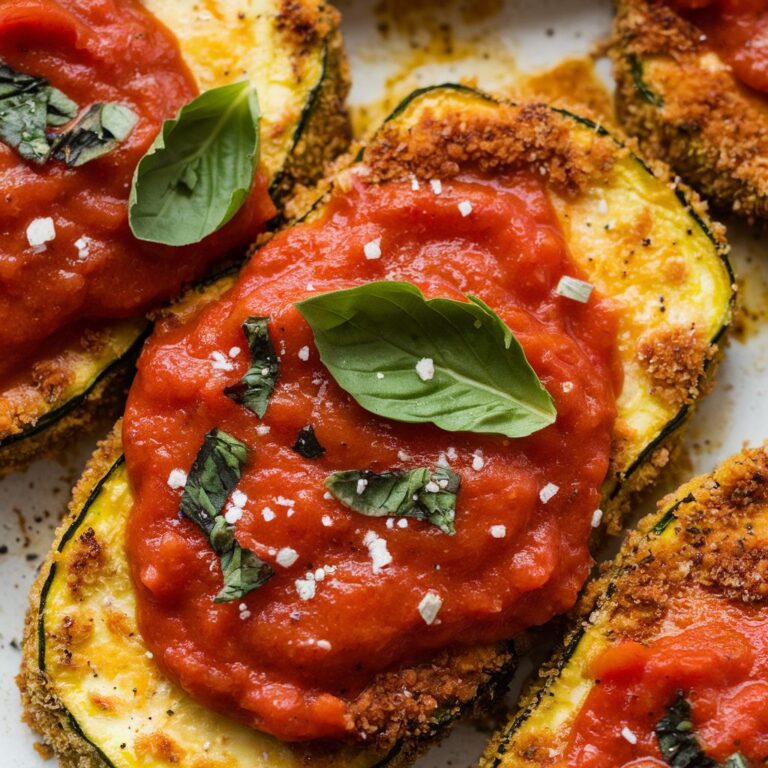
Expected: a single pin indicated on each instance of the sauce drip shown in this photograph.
(290, 666)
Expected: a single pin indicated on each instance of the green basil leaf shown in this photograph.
(95, 133)
(307, 444)
(199, 170)
(423, 494)
(24, 114)
(475, 376)
(61, 109)
(214, 475)
(255, 388)
(736, 760)
(678, 744)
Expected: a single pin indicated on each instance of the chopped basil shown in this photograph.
(452, 363)
(736, 760)
(678, 744)
(571, 288)
(29, 106)
(95, 133)
(199, 170)
(214, 475)
(255, 388)
(423, 494)
(307, 444)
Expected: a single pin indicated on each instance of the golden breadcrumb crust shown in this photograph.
(697, 117)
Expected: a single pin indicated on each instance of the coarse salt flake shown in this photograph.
(415, 186)
(268, 514)
(362, 484)
(377, 549)
(597, 517)
(379, 375)
(283, 502)
(437, 186)
(324, 645)
(402, 523)
(234, 351)
(326, 520)
(390, 523)
(478, 462)
(177, 479)
(629, 735)
(286, 557)
(239, 499)
(305, 588)
(372, 249)
(498, 531)
(548, 492)
(425, 368)
(567, 386)
(233, 515)
(431, 487)
(83, 245)
(430, 606)
(465, 208)
(220, 362)
(262, 429)
(304, 354)
(40, 231)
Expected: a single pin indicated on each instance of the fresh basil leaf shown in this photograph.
(736, 760)
(678, 744)
(61, 109)
(255, 388)
(307, 444)
(199, 170)
(95, 133)
(214, 475)
(24, 114)
(472, 374)
(423, 494)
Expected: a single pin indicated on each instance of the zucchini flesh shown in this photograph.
(629, 188)
(539, 733)
(224, 41)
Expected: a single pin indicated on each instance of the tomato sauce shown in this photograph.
(93, 51)
(289, 665)
(713, 651)
(738, 32)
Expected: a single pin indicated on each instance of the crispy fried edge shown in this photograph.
(710, 129)
(325, 135)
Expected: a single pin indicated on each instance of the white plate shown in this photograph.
(528, 34)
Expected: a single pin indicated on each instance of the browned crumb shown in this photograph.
(674, 357)
(159, 746)
(43, 750)
(506, 138)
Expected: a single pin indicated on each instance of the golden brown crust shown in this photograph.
(508, 138)
(710, 129)
(675, 358)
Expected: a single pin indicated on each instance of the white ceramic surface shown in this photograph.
(532, 34)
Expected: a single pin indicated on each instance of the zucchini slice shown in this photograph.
(295, 58)
(625, 228)
(660, 564)
(686, 107)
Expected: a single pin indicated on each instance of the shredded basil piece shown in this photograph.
(678, 744)
(95, 133)
(256, 387)
(571, 288)
(423, 494)
(455, 364)
(214, 475)
(736, 760)
(61, 109)
(307, 444)
(199, 170)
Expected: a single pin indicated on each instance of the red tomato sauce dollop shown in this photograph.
(95, 51)
(289, 665)
(738, 32)
(713, 651)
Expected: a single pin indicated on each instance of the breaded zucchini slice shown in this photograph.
(708, 539)
(681, 100)
(293, 53)
(87, 683)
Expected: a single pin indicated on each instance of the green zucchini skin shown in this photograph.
(320, 133)
(47, 711)
(687, 109)
(733, 500)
